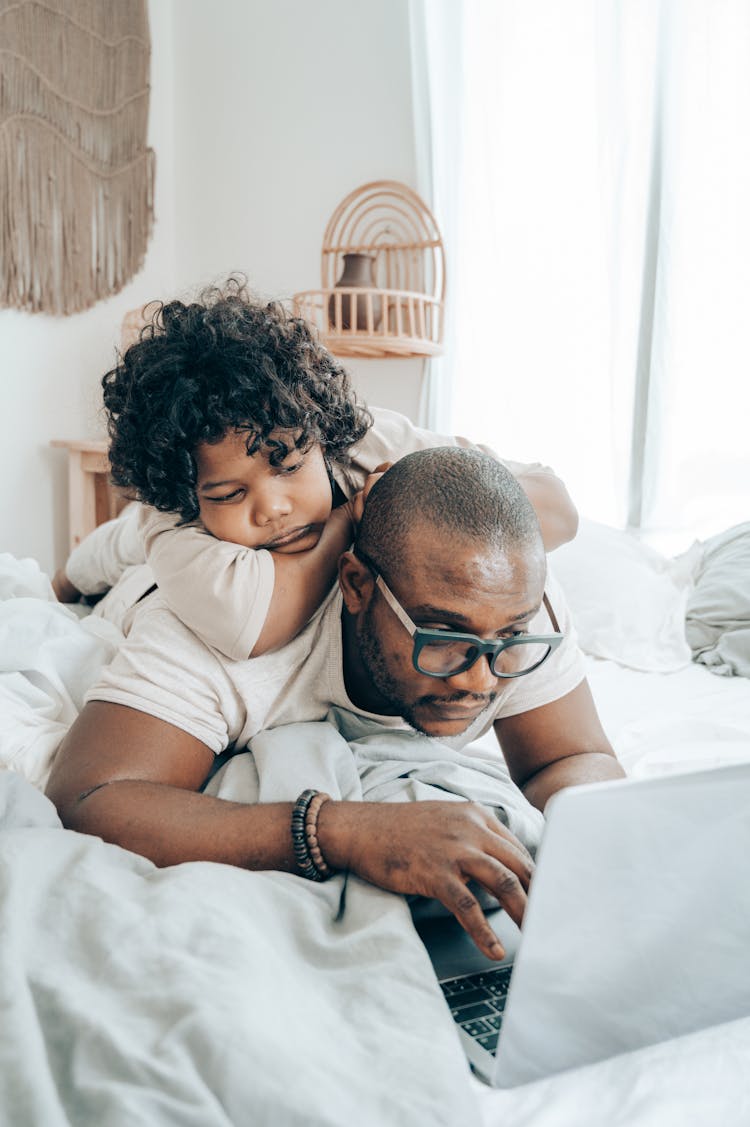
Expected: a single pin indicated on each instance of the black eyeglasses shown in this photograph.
(445, 653)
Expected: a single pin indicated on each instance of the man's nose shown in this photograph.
(478, 678)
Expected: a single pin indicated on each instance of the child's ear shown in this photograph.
(356, 583)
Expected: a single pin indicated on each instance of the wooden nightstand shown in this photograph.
(92, 498)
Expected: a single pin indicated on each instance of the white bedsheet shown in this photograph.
(204, 995)
(694, 1081)
(665, 722)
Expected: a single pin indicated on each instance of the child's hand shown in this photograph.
(357, 503)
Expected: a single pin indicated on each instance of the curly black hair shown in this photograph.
(224, 362)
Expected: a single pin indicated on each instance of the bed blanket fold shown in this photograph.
(205, 995)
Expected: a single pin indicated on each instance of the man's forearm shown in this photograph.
(591, 767)
(169, 825)
(427, 848)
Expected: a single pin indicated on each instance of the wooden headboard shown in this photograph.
(92, 498)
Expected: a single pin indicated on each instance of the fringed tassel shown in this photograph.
(79, 237)
(76, 178)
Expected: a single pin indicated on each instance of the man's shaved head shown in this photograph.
(465, 494)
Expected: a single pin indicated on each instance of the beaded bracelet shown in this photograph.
(307, 852)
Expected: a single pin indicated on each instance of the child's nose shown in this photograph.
(270, 505)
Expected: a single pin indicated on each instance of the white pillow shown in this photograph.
(627, 600)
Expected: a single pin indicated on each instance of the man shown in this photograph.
(441, 624)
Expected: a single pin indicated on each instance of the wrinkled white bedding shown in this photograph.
(49, 657)
(204, 995)
(666, 722)
(718, 610)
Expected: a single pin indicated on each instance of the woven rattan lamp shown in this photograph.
(382, 274)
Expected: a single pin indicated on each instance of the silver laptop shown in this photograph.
(637, 929)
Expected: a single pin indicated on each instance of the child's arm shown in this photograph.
(99, 560)
(553, 505)
(64, 590)
(241, 601)
(393, 435)
(302, 581)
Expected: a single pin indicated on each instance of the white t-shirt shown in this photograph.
(165, 670)
(219, 589)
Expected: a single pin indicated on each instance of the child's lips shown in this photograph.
(288, 537)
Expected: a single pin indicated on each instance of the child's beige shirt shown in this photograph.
(221, 590)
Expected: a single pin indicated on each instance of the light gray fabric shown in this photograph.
(206, 996)
(718, 610)
(351, 757)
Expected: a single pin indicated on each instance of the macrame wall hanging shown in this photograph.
(76, 177)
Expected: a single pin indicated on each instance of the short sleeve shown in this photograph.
(220, 590)
(164, 670)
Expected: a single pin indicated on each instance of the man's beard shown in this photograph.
(388, 687)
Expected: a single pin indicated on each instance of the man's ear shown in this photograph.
(356, 583)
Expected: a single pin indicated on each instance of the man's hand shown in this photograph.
(432, 849)
(135, 780)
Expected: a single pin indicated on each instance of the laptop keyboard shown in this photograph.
(477, 1002)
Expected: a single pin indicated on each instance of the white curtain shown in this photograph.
(597, 219)
(436, 51)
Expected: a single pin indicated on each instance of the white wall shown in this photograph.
(263, 117)
(282, 109)
(50, 367)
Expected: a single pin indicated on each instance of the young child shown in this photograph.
(242, 437)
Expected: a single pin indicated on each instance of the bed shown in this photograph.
(202, 995)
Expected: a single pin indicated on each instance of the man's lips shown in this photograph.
(453, 710)
(288, 537)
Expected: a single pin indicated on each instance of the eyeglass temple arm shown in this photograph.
(551, 614)
(410, 626)
(395, 606)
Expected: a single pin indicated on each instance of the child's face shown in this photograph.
(248, 501)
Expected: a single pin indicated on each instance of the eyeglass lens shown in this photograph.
(452, 656)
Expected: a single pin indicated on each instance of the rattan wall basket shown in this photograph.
(382, 276)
